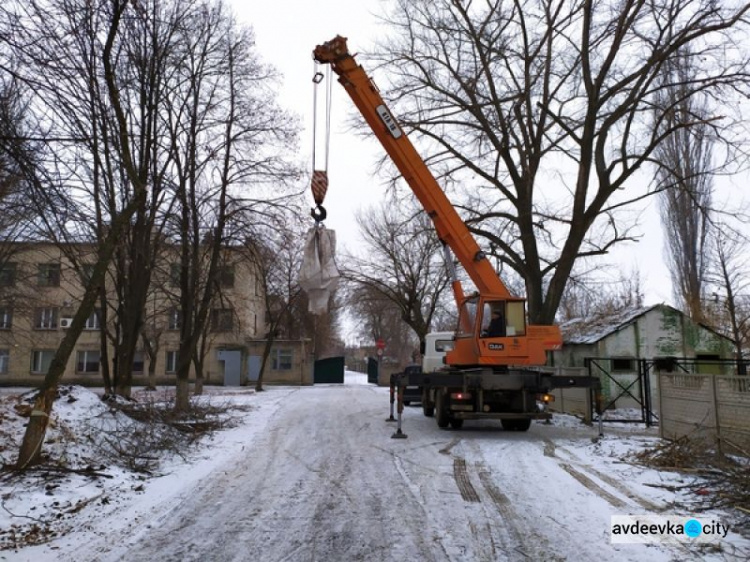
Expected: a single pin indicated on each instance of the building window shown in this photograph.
(6, 318)
(93, 322)
(41, 360)
(225, 276)
(138, 362)
(222, 319)
(88, 362)
(87, 270)
(623, 364)
(171, 362)
(48, 275)
(45, 318)
(708, 364)
(7, 275)
(4, 361)
(174, 321)
(281, 359)
(175, 270)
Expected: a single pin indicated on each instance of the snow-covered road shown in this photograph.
(317, 477)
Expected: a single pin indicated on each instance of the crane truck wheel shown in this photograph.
(428, 408)
(441, 412)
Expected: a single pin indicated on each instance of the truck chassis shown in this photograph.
(453, 395)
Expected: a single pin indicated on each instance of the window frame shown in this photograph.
(4, 361)
(8, 274)
(620, 368)
(41, 322)
(139, 358)
(82, 359)
(6, 317)
(174, 319)
(49, 274)
(37, 366)
(279, 354)
(225, 276)
(222, 320)
(93, 322)
(172, 358)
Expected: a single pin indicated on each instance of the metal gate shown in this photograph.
(638, 389)
(372, 370)
(329, 371)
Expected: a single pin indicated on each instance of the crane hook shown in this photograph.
(319, 213)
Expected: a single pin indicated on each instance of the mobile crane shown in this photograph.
(486, 374)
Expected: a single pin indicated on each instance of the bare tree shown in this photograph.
(379, 318)
(226, 136)
(404, 264)
(685, 177)
(537, 109)
(278, 256)
(16, 215)
(32, 30)
(732, 282)
(601, 299)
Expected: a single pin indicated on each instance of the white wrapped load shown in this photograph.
(319, 274)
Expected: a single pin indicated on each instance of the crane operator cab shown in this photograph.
(491, 329)
(503, 318)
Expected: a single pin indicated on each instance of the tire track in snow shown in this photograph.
(461, 476)
(551, 450)
(519, 540)
(417, 496)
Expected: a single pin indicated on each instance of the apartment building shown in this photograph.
(41, 285)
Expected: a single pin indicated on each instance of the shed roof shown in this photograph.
(587, 331)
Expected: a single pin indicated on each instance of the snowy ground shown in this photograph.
(312, 474)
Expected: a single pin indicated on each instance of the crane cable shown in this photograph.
(319, 184)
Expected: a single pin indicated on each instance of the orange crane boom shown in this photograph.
(516, 343)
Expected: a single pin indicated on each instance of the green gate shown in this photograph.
(329, 371)
(372, 370)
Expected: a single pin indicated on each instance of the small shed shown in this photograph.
(619, 340)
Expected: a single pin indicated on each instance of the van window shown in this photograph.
(444, 345)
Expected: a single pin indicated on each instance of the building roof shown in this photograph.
(587, 331)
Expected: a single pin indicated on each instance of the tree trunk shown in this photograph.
(264, 362)
(198, 390)
(151, 372)
(182, 395)
(31, 447)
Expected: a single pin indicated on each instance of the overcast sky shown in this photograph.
(286, 33)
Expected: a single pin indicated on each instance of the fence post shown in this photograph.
(716, 412)
(646, 384)
(660, 389)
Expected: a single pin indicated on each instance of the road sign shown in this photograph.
(379, 352)
(380, 344)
